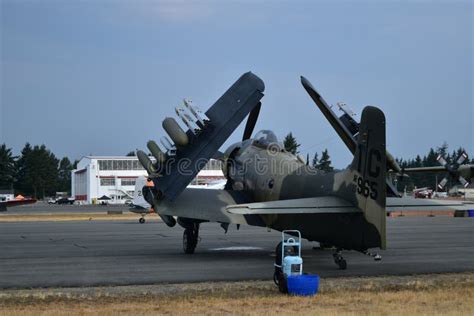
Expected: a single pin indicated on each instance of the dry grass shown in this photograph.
(432, 294)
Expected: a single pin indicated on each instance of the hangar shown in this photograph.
(114, 177)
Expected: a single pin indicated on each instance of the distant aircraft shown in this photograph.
(268, 186)
(139, 205)
(456, 170)
(17, 201)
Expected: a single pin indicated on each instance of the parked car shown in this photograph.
(65, 200)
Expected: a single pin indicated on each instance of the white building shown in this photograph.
(6, 195)
(114, 177)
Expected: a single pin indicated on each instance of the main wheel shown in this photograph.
(141, 220)
(189, 241)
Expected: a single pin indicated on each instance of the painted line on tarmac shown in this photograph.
(233, 248)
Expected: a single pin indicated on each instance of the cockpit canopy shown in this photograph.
(265, 138)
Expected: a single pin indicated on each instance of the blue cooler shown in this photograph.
(303, 285)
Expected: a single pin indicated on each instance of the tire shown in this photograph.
(278, 258)
(189, 241)
(276, 278)
(141, 220)
(282, 285)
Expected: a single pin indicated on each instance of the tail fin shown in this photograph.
(138, 199)
(367, 172)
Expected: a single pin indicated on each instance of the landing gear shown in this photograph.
(190, 239)
(339, 260)
(376, 256)
(141, 220)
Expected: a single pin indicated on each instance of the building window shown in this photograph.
(107, 181)
(128, 181)
(120, 164)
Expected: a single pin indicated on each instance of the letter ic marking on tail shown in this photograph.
(367, 186)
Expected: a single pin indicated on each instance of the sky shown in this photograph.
(98, 77)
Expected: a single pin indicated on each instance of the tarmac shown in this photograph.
(108, 253)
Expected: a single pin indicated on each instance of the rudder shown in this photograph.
(368, 170)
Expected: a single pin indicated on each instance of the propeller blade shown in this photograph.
(463, 181)
(251, 121)
(442, 183)
(461, 158)
(441, 160)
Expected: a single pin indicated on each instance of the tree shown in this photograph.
(315, 160)
(37, 171)
(7, 167)
(131, 154)
(325, 162)
(443, 150)
(290, 143)
(64, 175)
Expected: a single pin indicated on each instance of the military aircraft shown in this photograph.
(266, 185)
(139, 205)
(456, 170)
(15, 202)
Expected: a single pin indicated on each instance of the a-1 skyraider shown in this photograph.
(266, 185)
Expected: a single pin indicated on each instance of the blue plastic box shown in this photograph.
(470, 213)
(303, 285)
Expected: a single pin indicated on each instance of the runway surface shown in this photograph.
(57, 254)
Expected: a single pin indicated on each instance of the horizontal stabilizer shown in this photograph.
(316, 205)
(412, 204)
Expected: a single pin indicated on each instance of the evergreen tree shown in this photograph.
(131, 154)
(37, 171)
(64, 175)
(430, 159)
(21, 166)
(443, 150)
(325, 162)
(290, 143)
(315, 160)
(7, 167)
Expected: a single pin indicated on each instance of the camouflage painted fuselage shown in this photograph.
(272, 174)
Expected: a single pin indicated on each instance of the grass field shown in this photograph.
(446, 294)
(59, 217)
